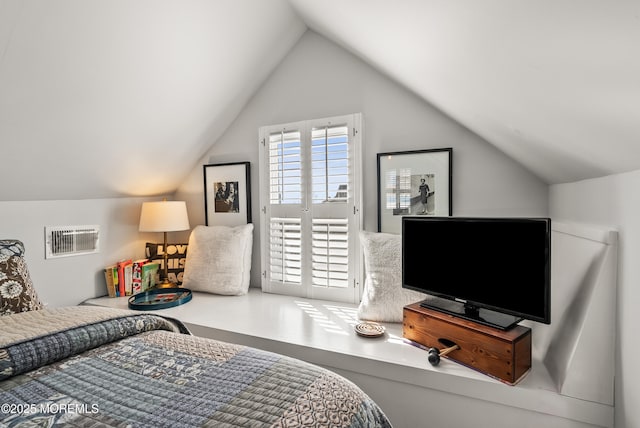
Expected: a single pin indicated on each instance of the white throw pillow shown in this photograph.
(384, 297)
(219, 259)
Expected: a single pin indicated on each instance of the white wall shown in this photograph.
(71, 280)
(319, 79)
(316, 79)
(614, 201)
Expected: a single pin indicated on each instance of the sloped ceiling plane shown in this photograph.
(89, 88)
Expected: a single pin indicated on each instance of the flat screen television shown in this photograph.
(495, 271)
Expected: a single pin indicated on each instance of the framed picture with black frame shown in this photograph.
(227, 194)
(413, 183)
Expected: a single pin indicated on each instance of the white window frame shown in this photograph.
(307, 211)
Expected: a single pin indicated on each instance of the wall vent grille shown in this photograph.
(63, 241)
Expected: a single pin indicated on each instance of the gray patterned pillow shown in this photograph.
(16, 289)
(384, 298)
(11, 247)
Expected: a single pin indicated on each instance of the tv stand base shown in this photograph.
(472, 313)
(505, 355)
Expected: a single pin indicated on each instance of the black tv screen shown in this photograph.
(492, 270)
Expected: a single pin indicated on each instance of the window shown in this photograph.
(310, 203)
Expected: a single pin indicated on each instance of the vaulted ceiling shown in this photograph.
(89, 88)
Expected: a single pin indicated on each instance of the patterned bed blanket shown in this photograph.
(89, 367)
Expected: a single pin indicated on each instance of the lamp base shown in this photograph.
(166, 284)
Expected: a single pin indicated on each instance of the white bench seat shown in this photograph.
(395, 374)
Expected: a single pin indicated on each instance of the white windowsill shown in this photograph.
(322, 332)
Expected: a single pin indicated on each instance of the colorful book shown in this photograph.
(137, 265)
(149, 275)
(120, 288)
(123, 276)
(116, 282)
(128, 279)
(111, 277)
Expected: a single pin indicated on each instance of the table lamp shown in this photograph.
(164, 216)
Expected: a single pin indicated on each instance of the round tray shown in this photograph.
(369, 329)
(159, 298)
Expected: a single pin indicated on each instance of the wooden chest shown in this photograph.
(505, 355)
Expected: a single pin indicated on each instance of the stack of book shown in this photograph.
(128, 277)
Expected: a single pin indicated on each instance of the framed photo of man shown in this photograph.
(413, 183)
(227, 194)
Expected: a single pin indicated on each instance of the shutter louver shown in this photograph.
(285, 250)
(330, 164)
(285, 168)
(330, 253)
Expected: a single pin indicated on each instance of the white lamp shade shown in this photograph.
(164, 216)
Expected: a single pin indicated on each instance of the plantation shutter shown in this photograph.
(285, 250)
(331, 182)
(330, 253)
(310, 206)
(285, 168)
(285, 196)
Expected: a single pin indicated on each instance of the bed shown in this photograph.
(86, 366)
